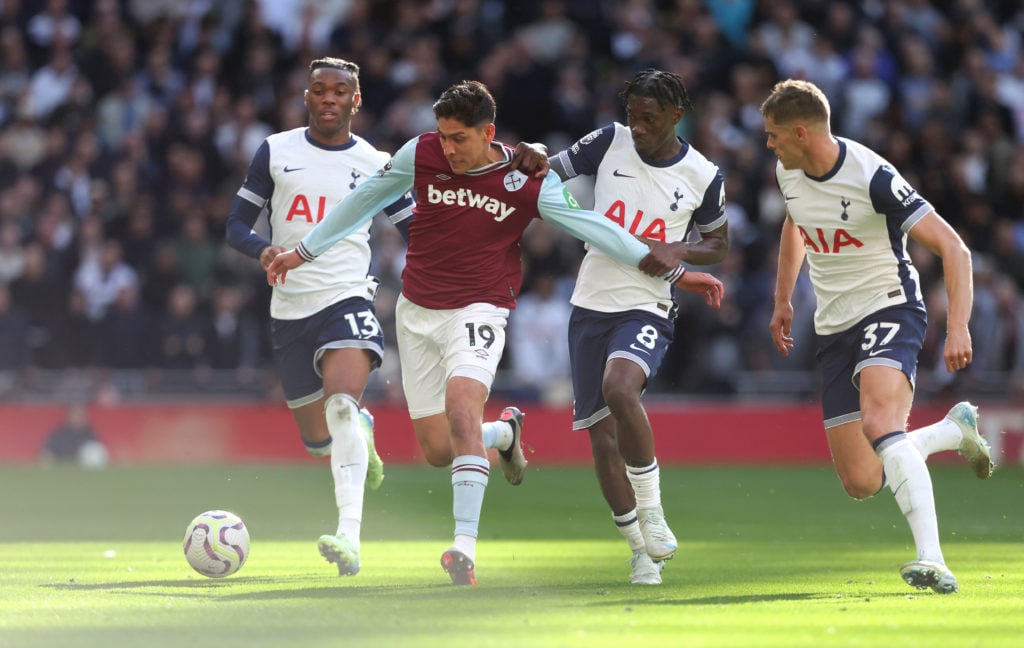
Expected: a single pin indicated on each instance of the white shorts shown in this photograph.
(436, 345)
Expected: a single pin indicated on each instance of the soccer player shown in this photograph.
(655, 185)
(325, 333)
(462, 274)
(849, 214)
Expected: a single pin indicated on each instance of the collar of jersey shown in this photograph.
(684, 148)
(341, 147)
(835, 169)
(487, 168)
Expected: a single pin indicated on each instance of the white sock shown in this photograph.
(469, 481)
(939, 436)
(646, 481)
(911, 485)
(497, 434)
(348, 462)
(629, 526)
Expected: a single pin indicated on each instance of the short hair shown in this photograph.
(666, 88)
(793, 100)
(336, 63)
(470, 102)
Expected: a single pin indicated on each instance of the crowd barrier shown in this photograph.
(686, 433)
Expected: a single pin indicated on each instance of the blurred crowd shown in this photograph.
(127, 126)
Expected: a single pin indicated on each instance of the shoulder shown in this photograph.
(287, 137)
(697, 161)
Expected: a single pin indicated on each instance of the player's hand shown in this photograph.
(780, 327)
(267, 255)
(282, 263)
(530, 159)
(704, 284)
(661, 259)
(958, 352)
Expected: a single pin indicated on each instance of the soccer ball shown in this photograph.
(216, 543)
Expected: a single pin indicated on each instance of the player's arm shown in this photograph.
(714, 231)
(935, 233)
(530, 159)
(378, 191)
(252, 197)
(557, 206)
(400, 213)
(791, 259)
(585, 155)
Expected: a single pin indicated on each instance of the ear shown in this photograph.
(357, 102)
(489, 132)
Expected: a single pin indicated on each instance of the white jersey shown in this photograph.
(854, 222)
(660, 201)
(299, 180)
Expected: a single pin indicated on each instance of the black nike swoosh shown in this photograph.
(788, 198)
(621, 175)
(287, 170)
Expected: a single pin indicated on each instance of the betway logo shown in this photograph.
(469, 198)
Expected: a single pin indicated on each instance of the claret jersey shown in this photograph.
(655, 200)
(464, 239)
(854, 223)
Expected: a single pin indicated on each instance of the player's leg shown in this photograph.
(473, 341)
(423, 380)
(590, 334)
(886, 398)
(294, 350)
(636, 347)
(345, 372)
(349, 345)
(618, 493)
(886, 368)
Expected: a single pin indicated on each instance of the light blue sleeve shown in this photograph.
(365, 201)
(558, 207)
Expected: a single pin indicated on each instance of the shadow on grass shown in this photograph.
(221, 589)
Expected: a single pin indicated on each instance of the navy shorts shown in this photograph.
(595, 338)
(300, 344)
(891, 337)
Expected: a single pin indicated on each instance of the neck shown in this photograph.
(334, 138)
(822, 155)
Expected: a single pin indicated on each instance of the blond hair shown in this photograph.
(794, 100)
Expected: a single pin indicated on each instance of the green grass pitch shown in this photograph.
(769, 556)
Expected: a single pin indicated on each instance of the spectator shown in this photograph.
(75, 442)
(101, 277)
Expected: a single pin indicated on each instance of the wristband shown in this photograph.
(675, 275)
(303, 253)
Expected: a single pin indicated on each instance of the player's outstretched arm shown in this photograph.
(704, 284)
(558, 207)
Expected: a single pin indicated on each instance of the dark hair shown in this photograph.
(336, 63)
(664, 87)
(470, 102)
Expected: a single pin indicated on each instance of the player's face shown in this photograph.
(653, 127)
(331, 100)
(782, 141)
(465, 147)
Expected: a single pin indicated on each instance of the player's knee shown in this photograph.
(859, 486)
(619, 396)
(437, 457)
